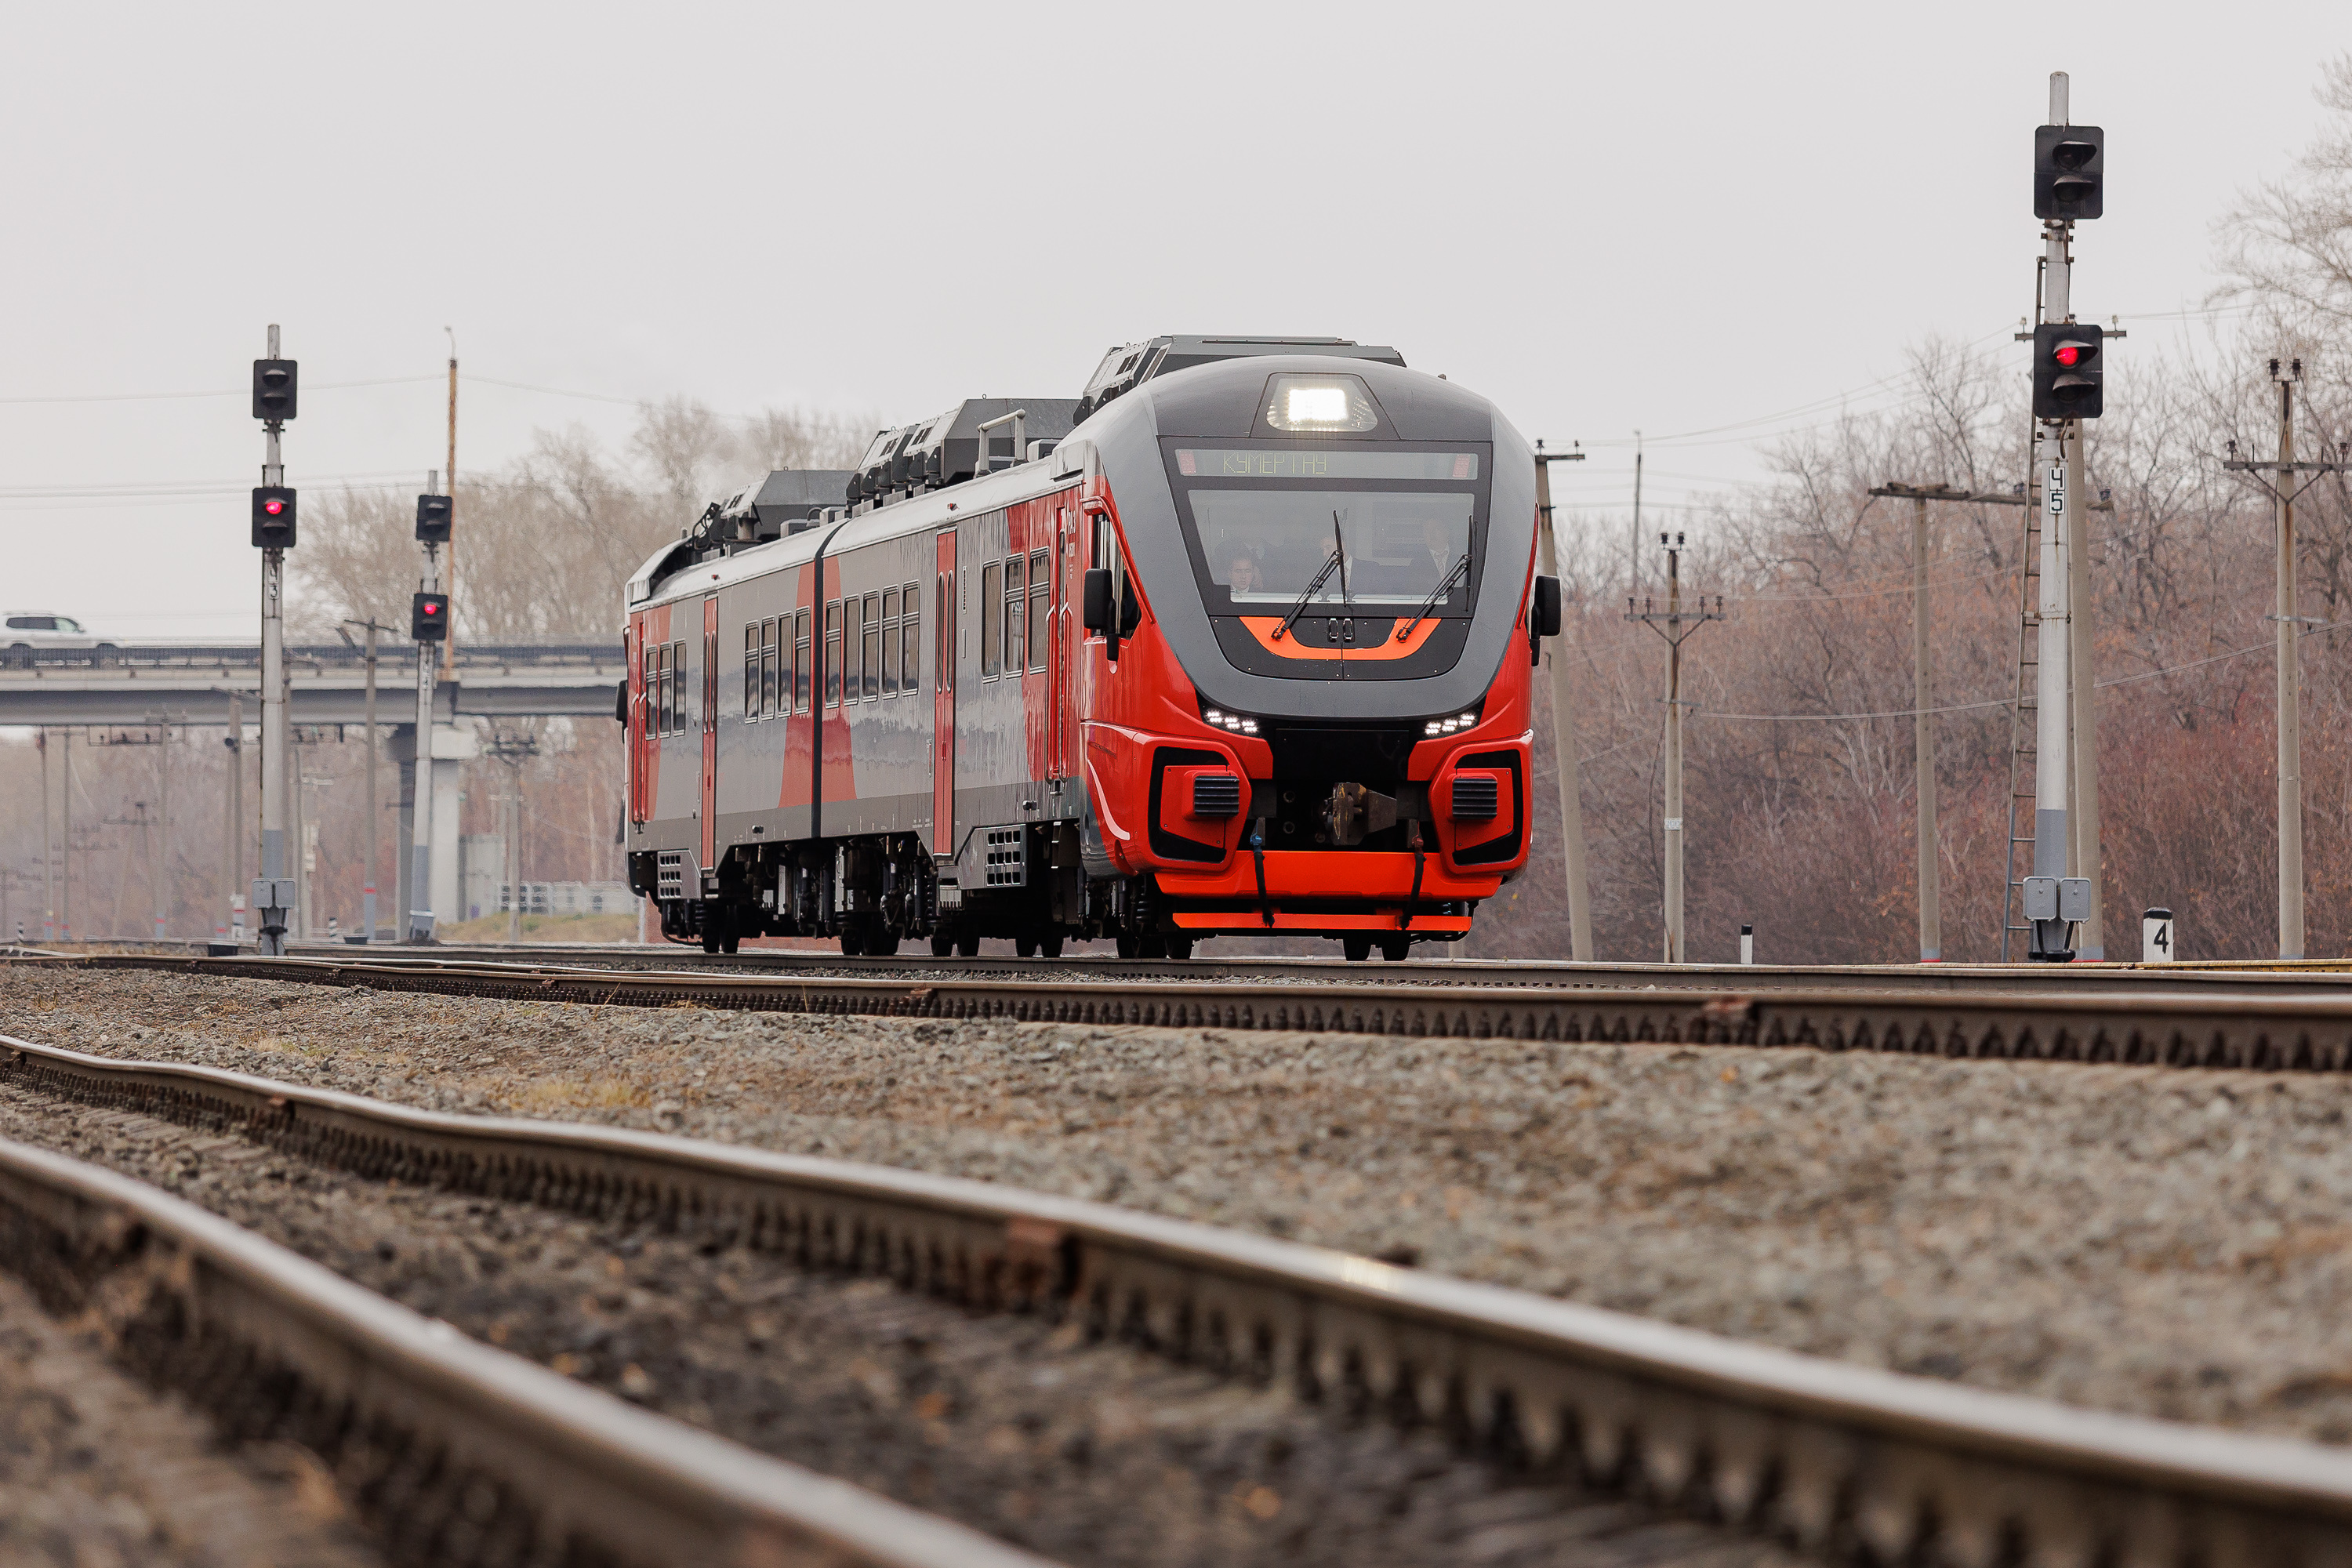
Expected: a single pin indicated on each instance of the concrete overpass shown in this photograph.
(191, 685)
(325, 684)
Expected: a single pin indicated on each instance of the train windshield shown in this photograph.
(1386, 533)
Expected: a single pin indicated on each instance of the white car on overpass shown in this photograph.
(26, 633)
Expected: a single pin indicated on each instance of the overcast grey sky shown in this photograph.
(1681, 219)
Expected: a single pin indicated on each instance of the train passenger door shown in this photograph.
(709, 731)
(943, 719)
(1060, 762)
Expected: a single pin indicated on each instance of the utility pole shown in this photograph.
(1677, 626)
(65, 840)
(450, 648)
(514, 751)
(233, 850)
(49, 844)
(1563, 725)
(1633, 551)
(375, 825)
(273, 533)
(161, 874)
(2286, 637)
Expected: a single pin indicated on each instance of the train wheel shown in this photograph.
(968, 946)
(709, 940)
(881, 943)
(852, 941)
(1126, 946)
(1025, 947)
(942, 945)
(1395, 948)
(1050, 946)
(1180, 947)
(1359, 949)
(1151, 944)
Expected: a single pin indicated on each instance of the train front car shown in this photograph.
(1310, 621)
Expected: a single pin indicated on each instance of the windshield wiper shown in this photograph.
(1404, 628)
(1347, 594)
(1299, 608)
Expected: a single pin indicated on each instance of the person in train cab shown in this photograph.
(1438, 539)
(1243, 576)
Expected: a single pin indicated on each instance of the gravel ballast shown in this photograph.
(1089, 1453)
(98, 1471)
(2175, 1243)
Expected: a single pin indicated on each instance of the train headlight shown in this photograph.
(1322, 405)
(1452, 726)
(1233, 723)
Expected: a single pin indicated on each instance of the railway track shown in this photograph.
(2172, 1026)
(2311, 977)
(454, 1451)
(1843, 1461)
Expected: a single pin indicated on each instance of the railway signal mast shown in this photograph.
(273, 536)
(428, 627)
(2069, 171)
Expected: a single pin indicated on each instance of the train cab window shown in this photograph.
(1016, 617)
(992, 618)
(889, 642)
(649, 713)
(910, 638)
(801, 673)
(832, 654)
(1041, 580)
(661, 690)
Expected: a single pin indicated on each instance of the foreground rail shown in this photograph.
(1843, 1460)
(2167, 1027)
(458, 1451)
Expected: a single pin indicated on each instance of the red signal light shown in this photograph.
(432, 609)
(2067, 354)
(273, 507)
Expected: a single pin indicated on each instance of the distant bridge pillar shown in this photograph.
(452, 747)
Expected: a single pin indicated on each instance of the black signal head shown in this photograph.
(2070, 163)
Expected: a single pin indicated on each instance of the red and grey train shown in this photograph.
(1245, 651)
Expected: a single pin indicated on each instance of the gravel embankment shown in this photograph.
(1089, 1452)
(98, 1471)
(2175, 1243)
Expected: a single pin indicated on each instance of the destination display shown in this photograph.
(1242, 463)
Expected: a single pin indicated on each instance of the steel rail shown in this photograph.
(577, 1473)
(2158, 1029)
(1844, 1460)
(2230, 977)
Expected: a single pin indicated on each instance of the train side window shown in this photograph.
(873, 683)
(1040, 579)
(773, 700)
(751, 672)
(832, 654)
(801, 652)
(991, 616)
(661, 689)
(889, 642)
(647, 710)
(854, 657)
(910, 638)
(1016, 620)
(944, 621)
